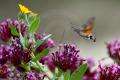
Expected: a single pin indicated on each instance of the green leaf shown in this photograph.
(24, 41)
(1, 20)
(116, 60)
(21, 16)
(34, 25)
(46, 37)
(25, 66)
(77, 75)
(40, 55)
(61, 77)
(34, 65)
(67, 75)
(31, 19)
(14, 30)
(37, 65)
(38, 43)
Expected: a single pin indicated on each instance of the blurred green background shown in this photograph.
(56, 15)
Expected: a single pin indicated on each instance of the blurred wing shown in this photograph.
(76, 30)
(91, 21)
(79, 32)
(88, 27)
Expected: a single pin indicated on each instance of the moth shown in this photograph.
(86, 30)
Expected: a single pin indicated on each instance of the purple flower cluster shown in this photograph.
(65, 58)
(23, 27)
(5, 31)
(33, 75)
(9, 74)
(4, 70)
(5, 52)
(15, 53)
(111, 72)
(114, 50)
(19, 54)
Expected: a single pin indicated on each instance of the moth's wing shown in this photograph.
(79, 32)
(91, 21)
(76, 30)
(88, 27)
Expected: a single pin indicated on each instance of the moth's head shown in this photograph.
(92, 37)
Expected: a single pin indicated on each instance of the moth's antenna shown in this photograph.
(63, 35)
(72, 27)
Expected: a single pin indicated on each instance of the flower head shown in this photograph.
(65, 58)
(4, 69)
(19, 54)
(34, 75)
(47, 60)
(114, 50)
(24, 9)
(4, 54)
(23, 27)
(5, 32)
(110, 72)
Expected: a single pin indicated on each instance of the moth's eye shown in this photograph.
(90, 37)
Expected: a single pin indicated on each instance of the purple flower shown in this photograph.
(38, 76)
(19, 54)
(65, 58)
(4, 54)
(5, 32)
(17, 74)
(30, 76)
(4, 69)
(110, 72)
(114, 50)
(10, 75)
(23, 26)
(90, 73)
(47, 60)
(34, 75)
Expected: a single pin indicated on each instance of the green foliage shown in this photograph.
(40, 55)
(21, 17)
(77, 75)
(14, 30)
(1, 20)
(34, 65)
(25, 66)
(38, 43)
(31, 19)
(46, 37)
(67, 75)
(24, 41)
(35, 24)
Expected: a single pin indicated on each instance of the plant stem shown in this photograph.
(40, 68)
